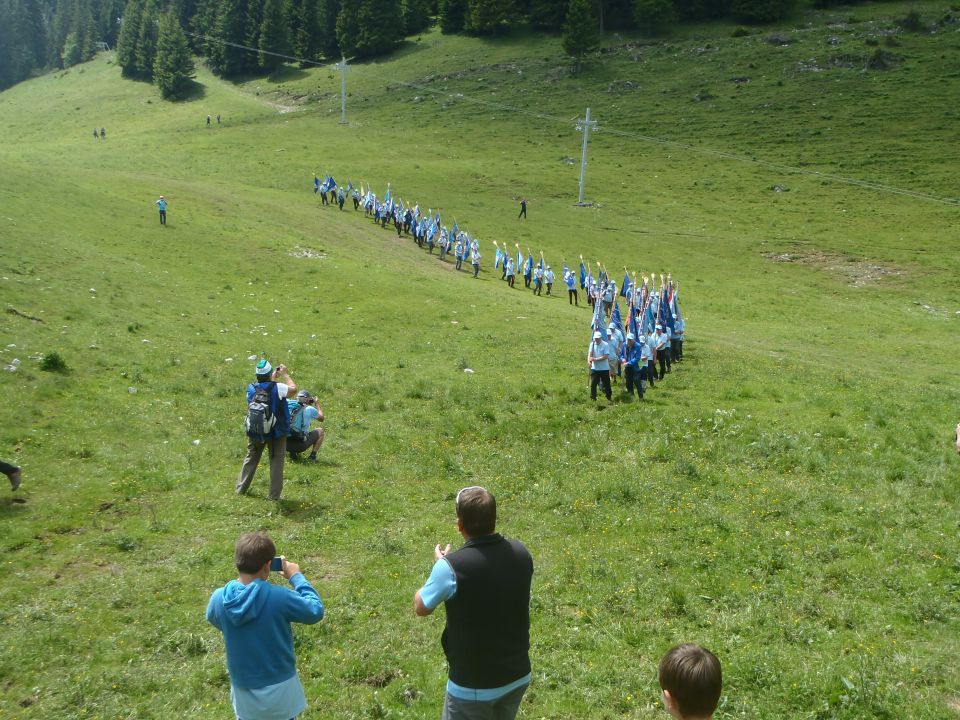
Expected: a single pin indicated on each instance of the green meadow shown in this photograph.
(788, 497)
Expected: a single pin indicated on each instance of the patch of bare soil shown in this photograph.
(859, 273)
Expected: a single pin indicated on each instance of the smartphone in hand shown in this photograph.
(276, 565)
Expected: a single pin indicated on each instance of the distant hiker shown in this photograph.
(96, 135)
(511, 272)
(208, 121)
(218, 118)
(267, 426)
(12, 472)
(162, 205)
(103, 133)
(341, 198)
(303, 411)
(475, 261)
(548, 278)
(537, 280)
(523, 209)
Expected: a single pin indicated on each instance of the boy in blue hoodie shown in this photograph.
(254, 616)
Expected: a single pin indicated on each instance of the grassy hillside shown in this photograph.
(788, 497)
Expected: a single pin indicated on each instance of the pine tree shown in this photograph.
(487, 16)
(580, 34)
(348, 29)
(548, 14)
(274, 34)
(231, 25)
(760, 11)
(147, 40)
(653, 17)
(453, 16)
(369, 27)
(127, 40)
(306, 30)
(328, 13)
(28, 39)
(173, 69)
(416, 16)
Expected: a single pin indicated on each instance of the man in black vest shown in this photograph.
(486, 587)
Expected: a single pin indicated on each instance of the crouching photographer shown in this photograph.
(303, 411)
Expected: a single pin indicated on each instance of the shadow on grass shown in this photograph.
(302, 509)
(192, 91)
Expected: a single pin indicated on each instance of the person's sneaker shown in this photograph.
(15, 479)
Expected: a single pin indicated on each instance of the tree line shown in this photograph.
(156, 39)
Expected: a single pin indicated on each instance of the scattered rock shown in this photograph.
(13, 365)
(468, 371)
(132, 390)
(228, 359)
(777, 39)
(779, 188)
(196, 442)
(567, 160)
(833, 40)
(302, 252)
(741, 80)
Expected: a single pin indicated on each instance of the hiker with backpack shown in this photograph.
(267, 425)
(303, 411)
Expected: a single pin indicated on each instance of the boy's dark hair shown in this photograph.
(693, 678)
(477, 510)
(252, 551)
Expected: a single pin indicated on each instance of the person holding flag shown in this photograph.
(528, 269)
(634, 361)
(598, 360)
(537, 280)
(510, 271)
(549, 277)
(571, 280)
(475, 260)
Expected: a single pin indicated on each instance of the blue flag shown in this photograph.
(583, 276)
(615, 318)
(625, 288)
(499, 256)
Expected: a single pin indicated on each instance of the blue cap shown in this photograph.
(264, 367)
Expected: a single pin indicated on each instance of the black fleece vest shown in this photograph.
(487, 637)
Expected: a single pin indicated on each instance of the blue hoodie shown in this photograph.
(255, 622)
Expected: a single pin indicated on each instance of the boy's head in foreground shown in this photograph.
(690, 678)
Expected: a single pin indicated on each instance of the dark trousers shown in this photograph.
(663, 357)
(7, 469)
(651, 372)
(600, 377)
(511, 279)
(163, 217)
(574, 300)
(537, 288)
(459, 262)
(476, 269)
(526, 280)
(634, 377)
(677, 346)
(549, 288)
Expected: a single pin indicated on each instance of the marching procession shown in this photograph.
(641, 347)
